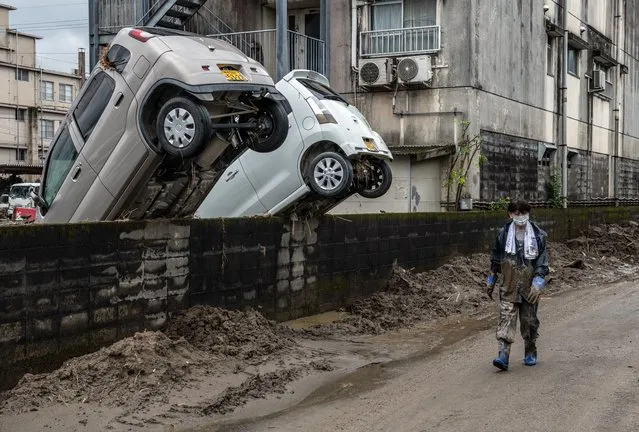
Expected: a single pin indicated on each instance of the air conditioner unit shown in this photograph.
(375, 72)
(416, 70)
(598, 81)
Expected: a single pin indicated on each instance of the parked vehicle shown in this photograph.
(330, 153)
(20, 196)
(157, 122)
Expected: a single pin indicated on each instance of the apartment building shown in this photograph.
(425, 71)
(33, 101)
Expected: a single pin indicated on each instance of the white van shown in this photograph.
(20, 196)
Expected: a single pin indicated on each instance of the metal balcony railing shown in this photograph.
(412, 40)
(304, 52)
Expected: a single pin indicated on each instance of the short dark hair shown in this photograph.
(520, 205)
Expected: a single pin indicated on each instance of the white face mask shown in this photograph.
(521, 219)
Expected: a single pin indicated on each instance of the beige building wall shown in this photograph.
(33, 102)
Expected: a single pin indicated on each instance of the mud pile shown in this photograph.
(456, 287)
(132, 372)
(245, 335)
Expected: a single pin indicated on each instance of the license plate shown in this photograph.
(370, 144)
(232, 75)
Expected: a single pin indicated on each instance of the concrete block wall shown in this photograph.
(69, 289)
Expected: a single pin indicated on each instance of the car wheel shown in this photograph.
(378, 182)
(183, 127)
(330, 174)
(271, 127)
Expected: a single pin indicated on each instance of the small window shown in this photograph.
(118, 57)
(550, 58)
(46, 90)
(62, 158)
(47, 128)
(22, 74)
(21, 155)
(573, 61)
(93, 102)
(66, 93)
(21, 114)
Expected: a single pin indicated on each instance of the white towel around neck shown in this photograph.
(530, 242)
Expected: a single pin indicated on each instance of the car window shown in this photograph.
(63, 156)
(118, 57)
(93, 103)
(321, 91)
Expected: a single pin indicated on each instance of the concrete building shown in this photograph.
(33, 101)
(423, 71)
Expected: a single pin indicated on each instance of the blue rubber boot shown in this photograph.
(501, 362)
(530, 354)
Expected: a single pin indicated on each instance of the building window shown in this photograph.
(46, 90)
(550, 58)
(22, 74)
(401, 26)
(21, 114)
(573, 61)
(397, 14)
(21, 154)
(46, 129)
(66, 93)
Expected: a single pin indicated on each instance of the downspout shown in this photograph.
(615, 157)
(17, 98)
(354, 35)
(564, 100)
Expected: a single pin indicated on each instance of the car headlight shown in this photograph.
(321, 112)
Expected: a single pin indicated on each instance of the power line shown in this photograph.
(53, 5)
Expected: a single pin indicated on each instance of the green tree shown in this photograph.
(461, 161)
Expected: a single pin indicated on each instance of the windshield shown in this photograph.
(63, 156)
(321, 91)
(22, 191)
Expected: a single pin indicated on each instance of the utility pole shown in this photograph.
(281, 40)
(564, 100)
(325, 36)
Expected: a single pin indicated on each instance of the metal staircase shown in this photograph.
(172, 14)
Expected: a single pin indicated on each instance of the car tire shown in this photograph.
(273, 122)
(380, 183)
(183, 127)
(330, 174)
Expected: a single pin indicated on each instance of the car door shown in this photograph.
(67, 177)
(232, 196)
(275, 176)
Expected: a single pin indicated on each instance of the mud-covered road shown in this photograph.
(587, 379)
(415, 356)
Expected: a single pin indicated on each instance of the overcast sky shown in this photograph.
(62, 24)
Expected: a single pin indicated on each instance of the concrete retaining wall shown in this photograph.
(70, 289)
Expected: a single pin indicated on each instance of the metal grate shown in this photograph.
(369, 73)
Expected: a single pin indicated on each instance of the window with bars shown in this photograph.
(22, 74)
(46, 90)
(66, 93)
(47, 128)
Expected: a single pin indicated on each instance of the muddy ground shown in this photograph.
(210, 363)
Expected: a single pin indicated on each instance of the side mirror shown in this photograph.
(37, 199)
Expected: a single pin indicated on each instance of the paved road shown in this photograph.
(587, 379)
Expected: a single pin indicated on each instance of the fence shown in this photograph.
(413, 40)
(305, 52)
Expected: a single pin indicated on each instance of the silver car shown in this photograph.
(331, 152)
(158, 121)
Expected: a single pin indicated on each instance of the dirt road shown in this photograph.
(587, 379)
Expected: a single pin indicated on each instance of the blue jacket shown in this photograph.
(499, 250)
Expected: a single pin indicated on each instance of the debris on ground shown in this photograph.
(132, 372)
(458, 286)
(246, 335)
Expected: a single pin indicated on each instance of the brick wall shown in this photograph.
(70, 289)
